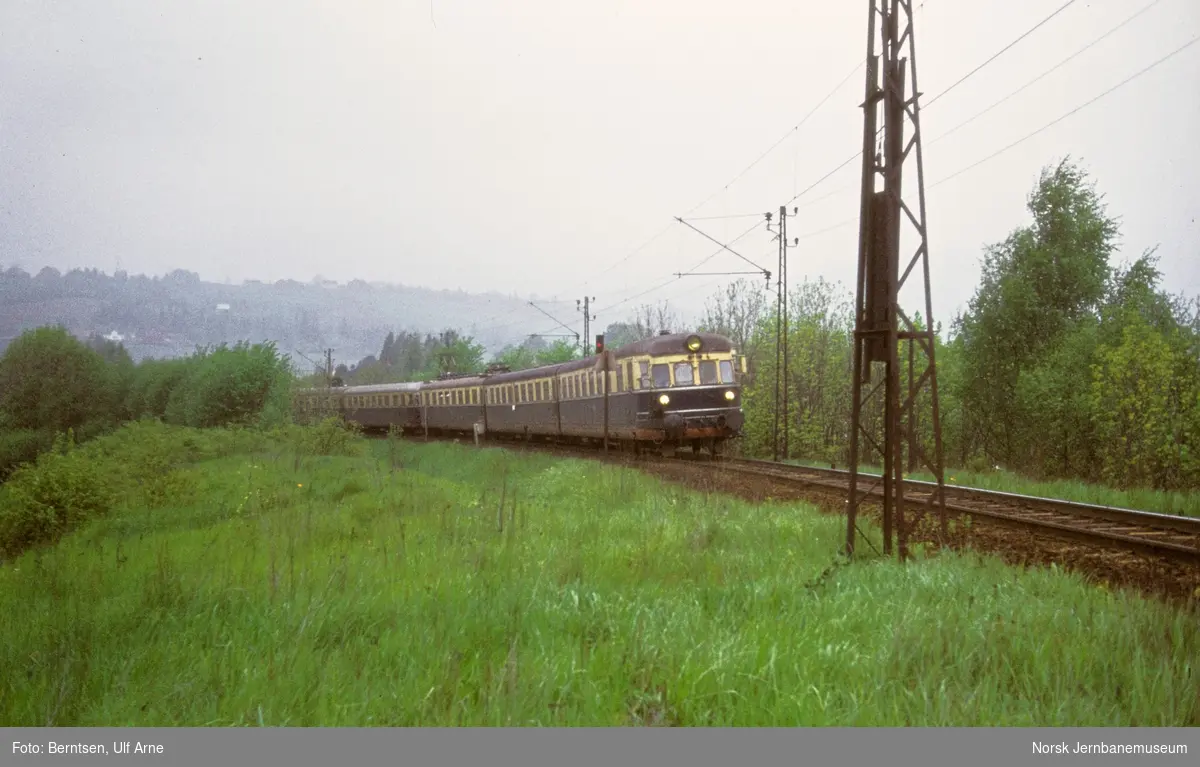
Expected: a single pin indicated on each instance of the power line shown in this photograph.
(958, 82)
(785, 137)
(997, 54)
(744, 171)
(1025, 138)
(1044, 74)
(1057, 120)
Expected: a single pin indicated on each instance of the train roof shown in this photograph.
(454, 383)
(406, 386)
(674, 343)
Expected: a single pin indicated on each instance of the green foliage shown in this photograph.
(475, 587)
(20, 446)
(412, 357)
(229, 385)
(1143, 413)
(42, 501)
(152, 385)
(50, 380)
(535, 352)
(328, 437)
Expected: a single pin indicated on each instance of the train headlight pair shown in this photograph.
(663, 399)
(729, 396)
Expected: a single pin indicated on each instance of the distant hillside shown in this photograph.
(169, 316)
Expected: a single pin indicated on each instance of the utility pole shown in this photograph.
(878, 314)
(782, 330)
(329, 368)
(585, 307)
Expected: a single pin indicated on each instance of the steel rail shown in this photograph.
(1114, 527)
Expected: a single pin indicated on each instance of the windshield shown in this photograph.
(683, 374)
(662, 376)
(727, 371)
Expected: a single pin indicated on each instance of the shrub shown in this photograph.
(44, 500)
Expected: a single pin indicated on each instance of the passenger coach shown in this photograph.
(667, 392)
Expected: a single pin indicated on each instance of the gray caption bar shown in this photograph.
(200, 747)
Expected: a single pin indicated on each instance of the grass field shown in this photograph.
(1186, 504)
(271, 586)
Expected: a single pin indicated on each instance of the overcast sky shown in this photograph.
(526, 146)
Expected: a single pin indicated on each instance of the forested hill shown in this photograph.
(169, 316)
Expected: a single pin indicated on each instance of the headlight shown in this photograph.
(663, 399)
(729, 396)
(693, 344)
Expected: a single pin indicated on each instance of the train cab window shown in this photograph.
(684, 375)
(662, 375)
(644, 378)
(708, 372)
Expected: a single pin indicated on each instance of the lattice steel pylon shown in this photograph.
(878, 314)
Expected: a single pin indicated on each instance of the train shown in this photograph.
(666, 393)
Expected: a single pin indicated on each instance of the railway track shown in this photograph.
(1165, 535)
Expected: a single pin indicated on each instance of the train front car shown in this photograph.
(683, 389)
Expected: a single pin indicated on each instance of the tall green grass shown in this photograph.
(1186, 504)
(447, 585)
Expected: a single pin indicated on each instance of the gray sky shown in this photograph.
(525, 146)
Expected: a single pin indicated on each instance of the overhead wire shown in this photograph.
(1059, 119)
(1030, 135)
(732, 181)
(858, 154)
(953, 85)
(1052, 69)
(998, 53)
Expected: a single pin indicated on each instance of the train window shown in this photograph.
(684, 375)
(592, 384)
(662, 375)
(644, 379)
(620, 378)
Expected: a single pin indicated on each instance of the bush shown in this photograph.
(21, 446)
(228, 386)
(330, 436)
(44, 500)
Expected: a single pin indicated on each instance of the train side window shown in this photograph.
(620, 378)
(644, 381)
(592, 384)
(662, 375)
(683, 374)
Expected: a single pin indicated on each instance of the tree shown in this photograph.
(1037, 285)
(51, 380)
(734, 311)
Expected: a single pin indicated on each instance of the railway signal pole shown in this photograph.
(878, 315)
(585, 307)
